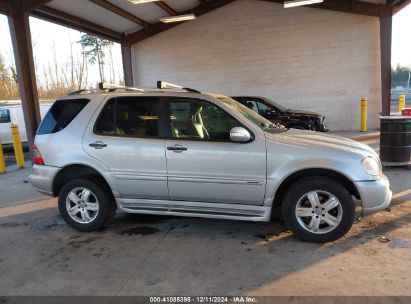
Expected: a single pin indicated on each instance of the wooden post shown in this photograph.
(23, 55)
(127, 64)
(385, 46)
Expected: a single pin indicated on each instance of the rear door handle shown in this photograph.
(177, 148)
(98, 145)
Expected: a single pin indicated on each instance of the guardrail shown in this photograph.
(18, 150)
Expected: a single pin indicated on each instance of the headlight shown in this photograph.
(372, 166)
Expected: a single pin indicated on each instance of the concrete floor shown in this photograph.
(152, 255)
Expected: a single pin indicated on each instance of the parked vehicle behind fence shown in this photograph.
(13, 113)
(181, 152)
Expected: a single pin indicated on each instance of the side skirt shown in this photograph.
(196, 209)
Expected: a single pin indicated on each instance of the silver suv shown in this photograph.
(181, 152)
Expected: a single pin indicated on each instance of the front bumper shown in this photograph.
(375, 195)
(42, 178)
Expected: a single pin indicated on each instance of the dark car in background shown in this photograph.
(289, 118)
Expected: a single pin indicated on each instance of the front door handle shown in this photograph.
(177, 148)
(98, 145)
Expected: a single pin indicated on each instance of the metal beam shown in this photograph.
(346, 6)
(396, 7)
(53, 15)
(23, 55)
(127, 64)
(3, 7)
(119, 11)
(385, 47)
(165, 7)
(29, 5)
(160, 27)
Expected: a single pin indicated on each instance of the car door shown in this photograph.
(125, 137)
(203, 164)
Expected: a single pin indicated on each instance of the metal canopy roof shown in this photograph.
(122, 21)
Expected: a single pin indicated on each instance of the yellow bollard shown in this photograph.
(401, 103)
(18, 149)
(2, 161)
(363, 114)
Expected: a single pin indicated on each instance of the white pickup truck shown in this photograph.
(13, 113)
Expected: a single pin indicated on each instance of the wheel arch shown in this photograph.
(321, 172)
(74, 171)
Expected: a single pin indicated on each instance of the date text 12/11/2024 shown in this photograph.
(203, 299)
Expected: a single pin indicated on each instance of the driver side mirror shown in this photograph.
(240, 134)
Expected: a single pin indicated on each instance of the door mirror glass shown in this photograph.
(239, 134)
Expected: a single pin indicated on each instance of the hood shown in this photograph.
(302, 113)
(320, 141)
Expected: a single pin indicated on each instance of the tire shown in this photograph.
(98, 204)
(328, 218)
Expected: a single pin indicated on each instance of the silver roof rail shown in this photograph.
(166, 85)
(82, 91)
(111, 87)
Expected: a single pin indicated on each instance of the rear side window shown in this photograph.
(61, 113)
(129, 116)
(4, 116)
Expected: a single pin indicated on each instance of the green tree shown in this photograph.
(94, 49)
(400, 73)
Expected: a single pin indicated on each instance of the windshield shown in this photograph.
(277, 105)
(249, 114)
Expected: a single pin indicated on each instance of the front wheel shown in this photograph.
(85, 205)
(318, 209)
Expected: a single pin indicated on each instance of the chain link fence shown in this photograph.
(399, 88)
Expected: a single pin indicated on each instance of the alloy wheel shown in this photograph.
(82, 205)
(319, 212)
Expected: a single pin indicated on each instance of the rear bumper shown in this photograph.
(375, 195)
(42, 178)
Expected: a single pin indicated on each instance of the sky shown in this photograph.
(47, 35)
(401, 38)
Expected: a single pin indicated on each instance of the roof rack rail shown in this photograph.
(112, 87)
(166, 85)
(78, 92)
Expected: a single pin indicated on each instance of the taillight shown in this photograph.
(37, 158)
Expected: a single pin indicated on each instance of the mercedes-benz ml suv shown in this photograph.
(181, 152)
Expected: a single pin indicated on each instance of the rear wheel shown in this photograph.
(318, 209)
(85, 205)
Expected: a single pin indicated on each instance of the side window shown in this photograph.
(61, 113)
(264, 108)
(199, 119)
(105, 123)
(4, 116)
(129, 116)
(251, 104)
